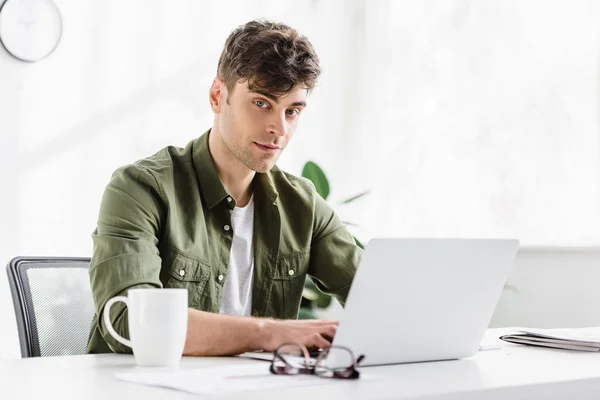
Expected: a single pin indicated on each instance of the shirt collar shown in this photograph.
(211, 187)
(263, 183)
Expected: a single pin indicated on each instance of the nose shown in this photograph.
(278, 125)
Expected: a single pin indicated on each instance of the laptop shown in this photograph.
(415, 300)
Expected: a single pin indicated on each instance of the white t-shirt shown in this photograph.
(237, 290)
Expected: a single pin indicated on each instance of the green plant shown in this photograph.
(311, 296)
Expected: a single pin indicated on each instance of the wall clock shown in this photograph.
(30, 30)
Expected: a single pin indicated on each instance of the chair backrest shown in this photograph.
(53, 304)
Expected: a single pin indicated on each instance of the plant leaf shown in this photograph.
(310, 294)
(314, 295)
(323, 301)
(359, 244)
(306, 313)
(355, 197)
(316, 175)
(309, 284)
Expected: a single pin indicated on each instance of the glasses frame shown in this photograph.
(348, 373)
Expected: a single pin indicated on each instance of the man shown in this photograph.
(221, 220)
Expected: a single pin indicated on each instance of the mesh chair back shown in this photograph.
(53, 304)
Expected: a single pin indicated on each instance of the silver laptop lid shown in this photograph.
(423, 299)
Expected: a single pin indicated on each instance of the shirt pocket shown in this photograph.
(191, 274)
(289, 278)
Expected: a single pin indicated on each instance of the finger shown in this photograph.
(316, 340)
(329, 332)
(328, 338)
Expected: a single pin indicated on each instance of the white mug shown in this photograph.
(157, 324)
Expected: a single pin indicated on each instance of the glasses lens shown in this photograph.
(289, 359)
(335, 360)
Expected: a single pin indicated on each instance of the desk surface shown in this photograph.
(514, 371)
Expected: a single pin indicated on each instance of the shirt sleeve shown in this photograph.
(125, 252)
(334, 254)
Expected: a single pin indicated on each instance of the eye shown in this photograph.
(292, 112)
(261, 104)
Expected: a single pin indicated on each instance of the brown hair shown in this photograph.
(270, 56)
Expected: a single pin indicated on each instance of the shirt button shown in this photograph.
(226, 227)
(181, 272)
(229, 199)
(220, 278)
(291, 272)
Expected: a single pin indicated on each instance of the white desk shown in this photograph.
(514, 372)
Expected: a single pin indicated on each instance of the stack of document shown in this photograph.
(583, 339)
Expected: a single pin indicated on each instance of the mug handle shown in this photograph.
(109, 326)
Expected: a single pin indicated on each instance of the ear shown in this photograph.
(217, 95)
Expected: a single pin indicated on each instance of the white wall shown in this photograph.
(552, 288)
(464, 118)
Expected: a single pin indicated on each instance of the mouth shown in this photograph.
(269, 148)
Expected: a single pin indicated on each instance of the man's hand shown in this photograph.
(211, 334)
(311, 333)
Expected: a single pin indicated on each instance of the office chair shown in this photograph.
(53, 304)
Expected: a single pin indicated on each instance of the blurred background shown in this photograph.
(461, 118)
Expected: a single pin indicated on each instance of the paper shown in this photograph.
(268, 356)
(583, 339)
(257, 355)
(588, 335)
(223, 380)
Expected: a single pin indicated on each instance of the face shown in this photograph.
(256, 126)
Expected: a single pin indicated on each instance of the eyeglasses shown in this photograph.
(336, 362)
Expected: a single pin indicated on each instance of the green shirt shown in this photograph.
(164, 223)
